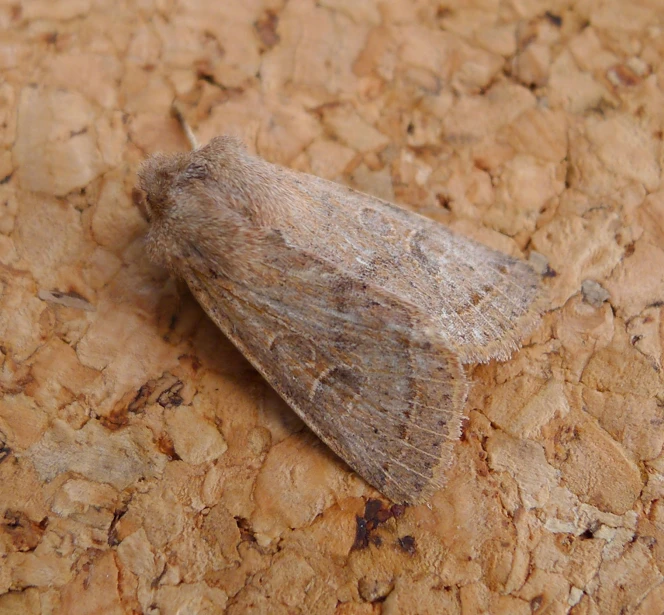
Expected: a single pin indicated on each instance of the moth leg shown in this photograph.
(177, 113)
(172, 307)
(181, 291)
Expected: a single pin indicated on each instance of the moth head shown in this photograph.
(164, 177)
(156, 178)
(210, 198)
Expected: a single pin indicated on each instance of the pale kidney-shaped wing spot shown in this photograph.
(376, 222)
(346, 384)
(290, 347)
(465, 294)
(429, 259)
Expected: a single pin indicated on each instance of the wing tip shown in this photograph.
(426, 491)
(505, 346)
(420, 494)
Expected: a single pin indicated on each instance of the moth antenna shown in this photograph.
(176, 111)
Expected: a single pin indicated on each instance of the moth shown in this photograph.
(359, 313)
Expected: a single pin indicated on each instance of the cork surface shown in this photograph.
(146, 468)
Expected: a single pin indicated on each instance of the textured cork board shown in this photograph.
(146, 468)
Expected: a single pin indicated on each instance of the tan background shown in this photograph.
(146, 468)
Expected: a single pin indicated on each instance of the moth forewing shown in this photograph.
(479, 300)
(359, 313)
(386, 402)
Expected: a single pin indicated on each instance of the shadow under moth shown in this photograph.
(359, 313)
